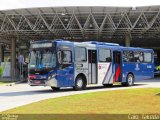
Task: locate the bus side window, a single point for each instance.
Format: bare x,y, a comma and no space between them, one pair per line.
138,56
80,54
66,56
147,57
128,56
59,57
104,55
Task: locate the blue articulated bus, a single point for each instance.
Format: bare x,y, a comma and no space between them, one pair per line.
59,63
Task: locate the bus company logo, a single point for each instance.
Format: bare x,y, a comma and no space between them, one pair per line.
99,67
102,66
137,67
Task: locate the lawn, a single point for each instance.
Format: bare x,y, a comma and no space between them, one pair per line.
2,83
5,82
132,101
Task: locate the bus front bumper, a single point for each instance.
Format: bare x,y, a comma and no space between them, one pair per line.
52,82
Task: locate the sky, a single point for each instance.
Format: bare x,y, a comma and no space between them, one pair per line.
15,4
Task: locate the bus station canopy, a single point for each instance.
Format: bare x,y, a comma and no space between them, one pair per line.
111,24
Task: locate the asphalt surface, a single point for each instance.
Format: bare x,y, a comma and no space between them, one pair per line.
22,94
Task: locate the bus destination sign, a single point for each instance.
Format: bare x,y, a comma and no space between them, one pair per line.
41,45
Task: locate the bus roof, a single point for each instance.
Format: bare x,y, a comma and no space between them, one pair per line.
93,43
101,43
136,48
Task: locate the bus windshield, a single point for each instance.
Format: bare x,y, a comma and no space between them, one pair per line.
42,59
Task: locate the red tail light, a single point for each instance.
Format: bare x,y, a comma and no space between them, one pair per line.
31,77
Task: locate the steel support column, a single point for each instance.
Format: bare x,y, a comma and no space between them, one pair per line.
2,53
13,57
127,40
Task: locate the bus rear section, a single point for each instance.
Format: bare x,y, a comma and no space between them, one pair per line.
124,65
138,64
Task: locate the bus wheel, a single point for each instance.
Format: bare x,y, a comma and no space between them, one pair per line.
55,88
130,80
80,83
107,85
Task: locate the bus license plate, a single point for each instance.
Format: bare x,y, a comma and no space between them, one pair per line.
37,82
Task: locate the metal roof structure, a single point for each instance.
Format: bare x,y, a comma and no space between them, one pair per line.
82,24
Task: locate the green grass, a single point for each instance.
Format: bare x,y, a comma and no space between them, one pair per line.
137,101
4,82
132,101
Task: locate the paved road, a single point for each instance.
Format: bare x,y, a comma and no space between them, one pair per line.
22,94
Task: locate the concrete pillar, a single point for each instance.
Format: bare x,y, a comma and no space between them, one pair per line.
127,40
2,53
13,57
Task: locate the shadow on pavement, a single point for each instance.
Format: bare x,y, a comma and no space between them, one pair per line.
35,92
155,79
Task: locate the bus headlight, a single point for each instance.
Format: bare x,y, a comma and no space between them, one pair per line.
43,77
51,76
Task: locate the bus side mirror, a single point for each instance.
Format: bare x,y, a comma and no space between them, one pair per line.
59,57
108,59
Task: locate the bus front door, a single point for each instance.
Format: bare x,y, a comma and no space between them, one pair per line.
92,66
117,64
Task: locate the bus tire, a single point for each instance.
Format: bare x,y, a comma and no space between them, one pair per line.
130,80
107,85
55,88
80,83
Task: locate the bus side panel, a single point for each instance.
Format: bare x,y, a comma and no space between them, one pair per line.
81,68
148,70
71,74
65,74
128,68
117,72
65,77
140,71
105,73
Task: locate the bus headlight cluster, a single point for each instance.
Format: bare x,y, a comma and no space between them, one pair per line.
51,76
43,77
